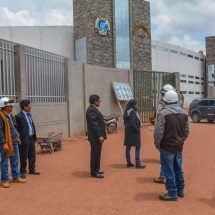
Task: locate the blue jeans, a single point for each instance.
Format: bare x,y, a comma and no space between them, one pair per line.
172,167
14,163
137,154
161,170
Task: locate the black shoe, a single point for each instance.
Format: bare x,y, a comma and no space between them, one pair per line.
167,197
98,176
101,172
140,166
130,164
181,195
23,175
34,172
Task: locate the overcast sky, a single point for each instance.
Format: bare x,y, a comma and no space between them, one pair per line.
180,22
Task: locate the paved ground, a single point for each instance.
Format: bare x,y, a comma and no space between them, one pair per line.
65,188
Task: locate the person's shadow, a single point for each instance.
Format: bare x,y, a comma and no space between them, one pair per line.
139,197
81,174
145,180
210,202
151,160
118,166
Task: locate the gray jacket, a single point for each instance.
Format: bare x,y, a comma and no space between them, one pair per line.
171,128
13,131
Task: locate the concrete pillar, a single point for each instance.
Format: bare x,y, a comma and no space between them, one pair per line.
68,94
20,73
177,81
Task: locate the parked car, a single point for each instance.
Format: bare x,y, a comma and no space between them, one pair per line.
202,109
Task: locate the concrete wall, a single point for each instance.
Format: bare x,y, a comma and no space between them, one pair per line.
86,80
171,58
55,39
81,80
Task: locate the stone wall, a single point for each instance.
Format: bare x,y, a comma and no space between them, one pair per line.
210,59
99,48
140,33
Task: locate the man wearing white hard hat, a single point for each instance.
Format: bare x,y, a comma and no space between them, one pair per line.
9,139
171,130
161,179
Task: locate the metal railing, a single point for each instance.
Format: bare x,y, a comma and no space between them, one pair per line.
147,86
45,76
7,71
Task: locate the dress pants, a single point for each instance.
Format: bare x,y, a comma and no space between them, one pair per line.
96,148
27,152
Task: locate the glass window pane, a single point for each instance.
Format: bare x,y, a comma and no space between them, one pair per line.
122,34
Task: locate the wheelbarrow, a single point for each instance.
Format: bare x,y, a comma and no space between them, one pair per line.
50,142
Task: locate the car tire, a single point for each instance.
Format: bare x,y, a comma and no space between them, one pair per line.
210,120
196,117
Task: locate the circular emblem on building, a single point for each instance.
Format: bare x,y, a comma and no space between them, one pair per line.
102,24
141,31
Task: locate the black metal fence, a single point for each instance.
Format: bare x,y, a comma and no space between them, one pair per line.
147,86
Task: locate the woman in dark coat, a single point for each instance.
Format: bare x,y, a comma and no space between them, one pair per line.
132,133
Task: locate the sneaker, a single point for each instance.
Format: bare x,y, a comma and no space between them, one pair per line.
160,180
140,166
181,195
20,180
6,184
167,197
130,164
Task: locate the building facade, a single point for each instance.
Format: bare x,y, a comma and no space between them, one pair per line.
113,33
190,65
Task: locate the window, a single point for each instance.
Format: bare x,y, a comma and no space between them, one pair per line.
202,60
190,56
183,54
190,92
183,75
197,82
122,34
197,58
203,79
203,93
173,51
183,81
163,49
202,83
204,103
191,82
196,77
212,102
184,92
197,93
190,76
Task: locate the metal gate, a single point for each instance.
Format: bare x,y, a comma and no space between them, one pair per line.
7,72
147,86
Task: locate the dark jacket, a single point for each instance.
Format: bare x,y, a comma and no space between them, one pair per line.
23,129
132,128
95,124
171,128
13,131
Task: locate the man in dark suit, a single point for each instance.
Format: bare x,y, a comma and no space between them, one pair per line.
27,131
96,134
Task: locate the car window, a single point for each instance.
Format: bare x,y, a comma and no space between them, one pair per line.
212,102
204,103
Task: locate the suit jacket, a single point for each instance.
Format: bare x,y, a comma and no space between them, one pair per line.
95,124
23,129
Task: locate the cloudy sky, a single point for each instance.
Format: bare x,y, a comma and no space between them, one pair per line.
181,22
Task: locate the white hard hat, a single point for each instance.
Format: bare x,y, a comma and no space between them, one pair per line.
4,102
170,96
166,88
